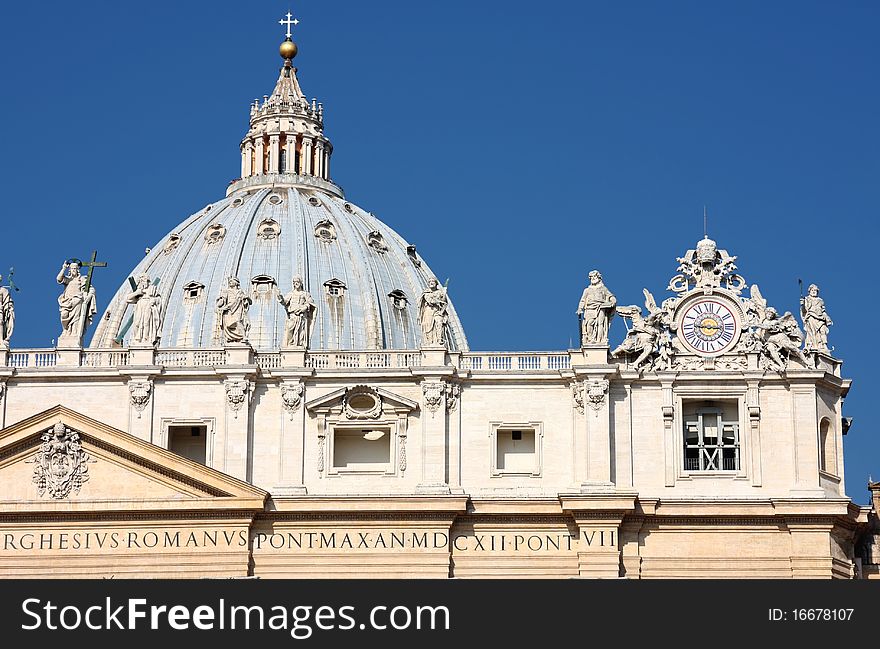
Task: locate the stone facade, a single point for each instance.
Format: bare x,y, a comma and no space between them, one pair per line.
208,432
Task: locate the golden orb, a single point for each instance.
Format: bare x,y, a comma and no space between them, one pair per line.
288,49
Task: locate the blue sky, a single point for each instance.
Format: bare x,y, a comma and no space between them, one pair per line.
517,144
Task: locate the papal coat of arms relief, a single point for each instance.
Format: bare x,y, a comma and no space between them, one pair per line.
61,464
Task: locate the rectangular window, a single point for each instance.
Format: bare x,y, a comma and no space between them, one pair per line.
189,441
711,436
516,449
361,449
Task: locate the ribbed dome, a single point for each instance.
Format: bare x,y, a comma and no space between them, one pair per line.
364,278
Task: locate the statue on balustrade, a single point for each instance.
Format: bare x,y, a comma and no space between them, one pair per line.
7,316
595,310
147,318
433,315
232,311
76,305
816,321
300,308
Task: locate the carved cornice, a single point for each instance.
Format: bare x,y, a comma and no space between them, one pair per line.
233,516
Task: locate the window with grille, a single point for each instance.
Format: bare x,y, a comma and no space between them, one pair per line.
711,438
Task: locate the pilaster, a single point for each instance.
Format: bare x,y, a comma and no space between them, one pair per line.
598,518
594,381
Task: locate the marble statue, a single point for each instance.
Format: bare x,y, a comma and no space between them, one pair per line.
595,309
7,316
432,314
147,317
300,309
781,335
76,304
232,309
642,338
816,320
776,337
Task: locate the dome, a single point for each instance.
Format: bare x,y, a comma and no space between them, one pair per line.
284,218
364,278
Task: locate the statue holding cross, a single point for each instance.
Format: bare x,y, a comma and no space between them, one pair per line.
77,305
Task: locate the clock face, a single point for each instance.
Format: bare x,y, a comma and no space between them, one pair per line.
709,327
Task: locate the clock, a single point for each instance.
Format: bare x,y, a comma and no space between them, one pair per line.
709,326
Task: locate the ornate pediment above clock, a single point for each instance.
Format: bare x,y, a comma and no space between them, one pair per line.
708,317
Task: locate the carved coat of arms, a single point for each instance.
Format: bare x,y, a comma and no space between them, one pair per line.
61,464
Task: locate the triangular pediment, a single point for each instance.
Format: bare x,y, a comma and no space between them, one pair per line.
355,401
84,464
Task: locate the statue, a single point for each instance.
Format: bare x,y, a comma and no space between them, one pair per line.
300,309
7,316
147,317
432,314
596,307
642,338
232,309
76,304
781,335
816,321
774,335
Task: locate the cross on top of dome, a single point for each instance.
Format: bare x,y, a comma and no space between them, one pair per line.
289,23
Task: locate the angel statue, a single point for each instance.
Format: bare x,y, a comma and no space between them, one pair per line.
643,336
776,335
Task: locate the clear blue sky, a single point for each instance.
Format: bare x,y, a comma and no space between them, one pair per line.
517,144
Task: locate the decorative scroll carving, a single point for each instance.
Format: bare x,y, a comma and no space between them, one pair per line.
706,266
215,233
401,453
595,391
433,392
173,241
322,434
362,402
577,396
139,393
268,229
238,393
291,397
61,464
453,392
376,241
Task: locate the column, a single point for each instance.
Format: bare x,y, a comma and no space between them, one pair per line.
274,153
247,168
325,169
290,149
258,157
305,159
243,162
319,159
